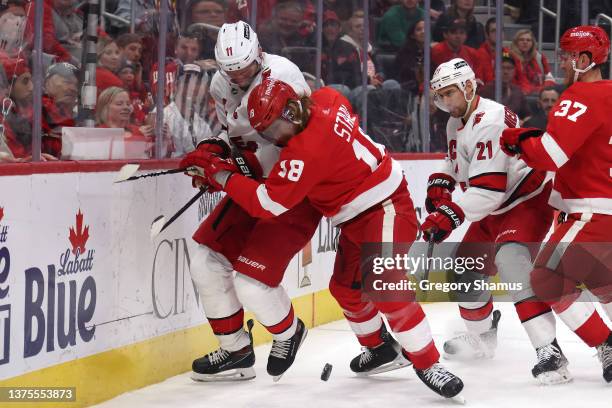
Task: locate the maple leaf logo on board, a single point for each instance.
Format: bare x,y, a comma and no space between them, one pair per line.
78,236
1,213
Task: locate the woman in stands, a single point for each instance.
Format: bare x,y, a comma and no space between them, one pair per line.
409,59
534,66
109,61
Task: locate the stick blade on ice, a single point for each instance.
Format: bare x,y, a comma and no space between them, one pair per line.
157,225
126,172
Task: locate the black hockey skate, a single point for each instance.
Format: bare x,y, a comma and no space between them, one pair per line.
441,381
283,353
375,360
552,365
469,346
223,365
604,353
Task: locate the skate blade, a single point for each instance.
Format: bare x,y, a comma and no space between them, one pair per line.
560,376
238,374
458,399
399,362
276,378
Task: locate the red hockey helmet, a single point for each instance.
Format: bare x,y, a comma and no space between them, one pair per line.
591,39
268,102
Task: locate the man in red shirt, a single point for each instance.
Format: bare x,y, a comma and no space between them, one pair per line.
486,55
576,146
328,159
454,46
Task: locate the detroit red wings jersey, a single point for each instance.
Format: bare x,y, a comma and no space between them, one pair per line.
493,182
332,163
578,146
231,105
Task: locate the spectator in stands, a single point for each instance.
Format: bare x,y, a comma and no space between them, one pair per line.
396,23
464,10
340,64
512,95
210,12
12,26
534,66
109,59
453,46
376,79
51,44
409,60
183,115
17,111
141,103
114,109
68,25
127,73
378,8
59,105
437,8
342,8
547,99
239,10
283,30
186,52
354,37
130,46
130,49
142,10
486,54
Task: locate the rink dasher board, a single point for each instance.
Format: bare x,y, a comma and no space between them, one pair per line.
111,288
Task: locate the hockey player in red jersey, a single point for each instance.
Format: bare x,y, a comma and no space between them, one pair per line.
577,146
506,201
327,158
240,261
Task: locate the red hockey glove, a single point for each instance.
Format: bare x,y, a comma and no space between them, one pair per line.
440,187
511,138
205,166
442,222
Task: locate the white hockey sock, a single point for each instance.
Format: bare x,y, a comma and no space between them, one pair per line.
271,306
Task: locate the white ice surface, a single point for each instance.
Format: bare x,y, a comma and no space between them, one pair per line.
505,381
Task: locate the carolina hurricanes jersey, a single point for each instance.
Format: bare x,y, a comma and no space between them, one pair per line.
231,104
577,145
332,162
493,182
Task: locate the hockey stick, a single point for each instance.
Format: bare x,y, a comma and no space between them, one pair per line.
126,173
430,248
159,224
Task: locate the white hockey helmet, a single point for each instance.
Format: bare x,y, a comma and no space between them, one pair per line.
454,72
237,47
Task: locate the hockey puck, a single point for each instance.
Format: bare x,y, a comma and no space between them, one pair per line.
326,372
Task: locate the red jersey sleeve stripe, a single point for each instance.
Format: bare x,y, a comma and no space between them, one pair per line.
490,181
553,149
268,203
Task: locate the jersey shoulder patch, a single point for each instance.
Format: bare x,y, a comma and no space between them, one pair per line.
477,118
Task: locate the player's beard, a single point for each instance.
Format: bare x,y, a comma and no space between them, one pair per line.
458,112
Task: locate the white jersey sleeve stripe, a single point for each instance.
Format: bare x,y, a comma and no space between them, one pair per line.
555,152
267,203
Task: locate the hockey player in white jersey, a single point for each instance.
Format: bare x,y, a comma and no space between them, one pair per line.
506,201
256,251
240,261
